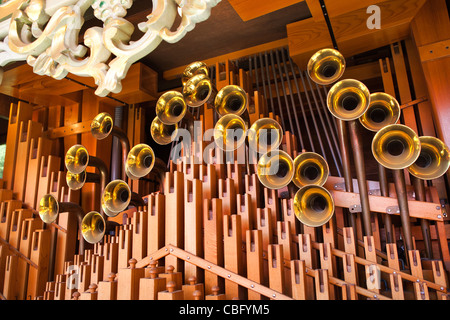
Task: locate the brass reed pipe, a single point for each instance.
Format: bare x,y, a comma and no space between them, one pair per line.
400,189
358,156
419,189
125,144
384,189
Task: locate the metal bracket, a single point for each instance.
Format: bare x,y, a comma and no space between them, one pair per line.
355,208
327,20
392,210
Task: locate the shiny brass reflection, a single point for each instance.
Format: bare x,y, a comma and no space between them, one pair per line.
102,125
310,168
162,133
75,181
396,146
383,110
326,66
193,69
48,208
231,99
140,161
275,169
93,227
348,99
199,90
265,135
230,132
76,159
313,205
433,161
116,197
171,107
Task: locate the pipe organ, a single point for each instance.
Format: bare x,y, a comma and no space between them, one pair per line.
270,176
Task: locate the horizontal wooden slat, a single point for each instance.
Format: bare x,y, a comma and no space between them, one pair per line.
435,50
251,9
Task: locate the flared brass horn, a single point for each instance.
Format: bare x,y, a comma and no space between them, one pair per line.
76,159
231,99
230,132
310,168
195,68
313,205
75,181
171,107
116,197
326,66
93,227
275,169
140,161
396,146
433,160
348,99
383,110
265,135
199,90
162,133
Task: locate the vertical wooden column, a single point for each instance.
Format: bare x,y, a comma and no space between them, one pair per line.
271,201
305,254
40,253
6,211
252,187
60,285
193,223
227,193
10,275
208,176
150,286
298,279
213,243
232,253
107,289
322,285
66,241
276,268
174,232
125,247
140,224
255,269
244,209
191,287
264,223
128,281
155,218
111,254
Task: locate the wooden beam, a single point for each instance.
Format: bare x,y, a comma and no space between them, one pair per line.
251,9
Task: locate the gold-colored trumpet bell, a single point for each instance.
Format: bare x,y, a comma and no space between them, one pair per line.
383,110
195,68
116,197
162,133
75,181
231,99
275,169
171,107
313,205
140,161
93,227
199,90
102,125
348,99
310,168
326,66
396,146
48,208
265,135
433,161
230,132
76,159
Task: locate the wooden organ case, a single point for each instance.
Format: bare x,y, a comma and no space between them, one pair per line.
203,227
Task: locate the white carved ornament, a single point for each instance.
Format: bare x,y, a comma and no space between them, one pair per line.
49,43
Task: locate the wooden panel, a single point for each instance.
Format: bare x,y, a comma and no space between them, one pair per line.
250,9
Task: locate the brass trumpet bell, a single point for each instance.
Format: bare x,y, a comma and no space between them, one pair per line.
116,197
199,90
396,146
313,205
48,208
310,168
326,66
195,68
230,132
76,159
102,125
348,99
383,110
433,161
93,227
171,107
75,181
265,135
140,161
231,99
275,169
162,133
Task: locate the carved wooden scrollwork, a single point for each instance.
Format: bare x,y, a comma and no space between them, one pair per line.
49,43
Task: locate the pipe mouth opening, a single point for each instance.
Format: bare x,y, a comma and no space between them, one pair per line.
177,109
311,173
203,92
318,203
378,114
83,159
283,170
148,161
234,104
123,195
329,70
424,160
395,148
350,102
